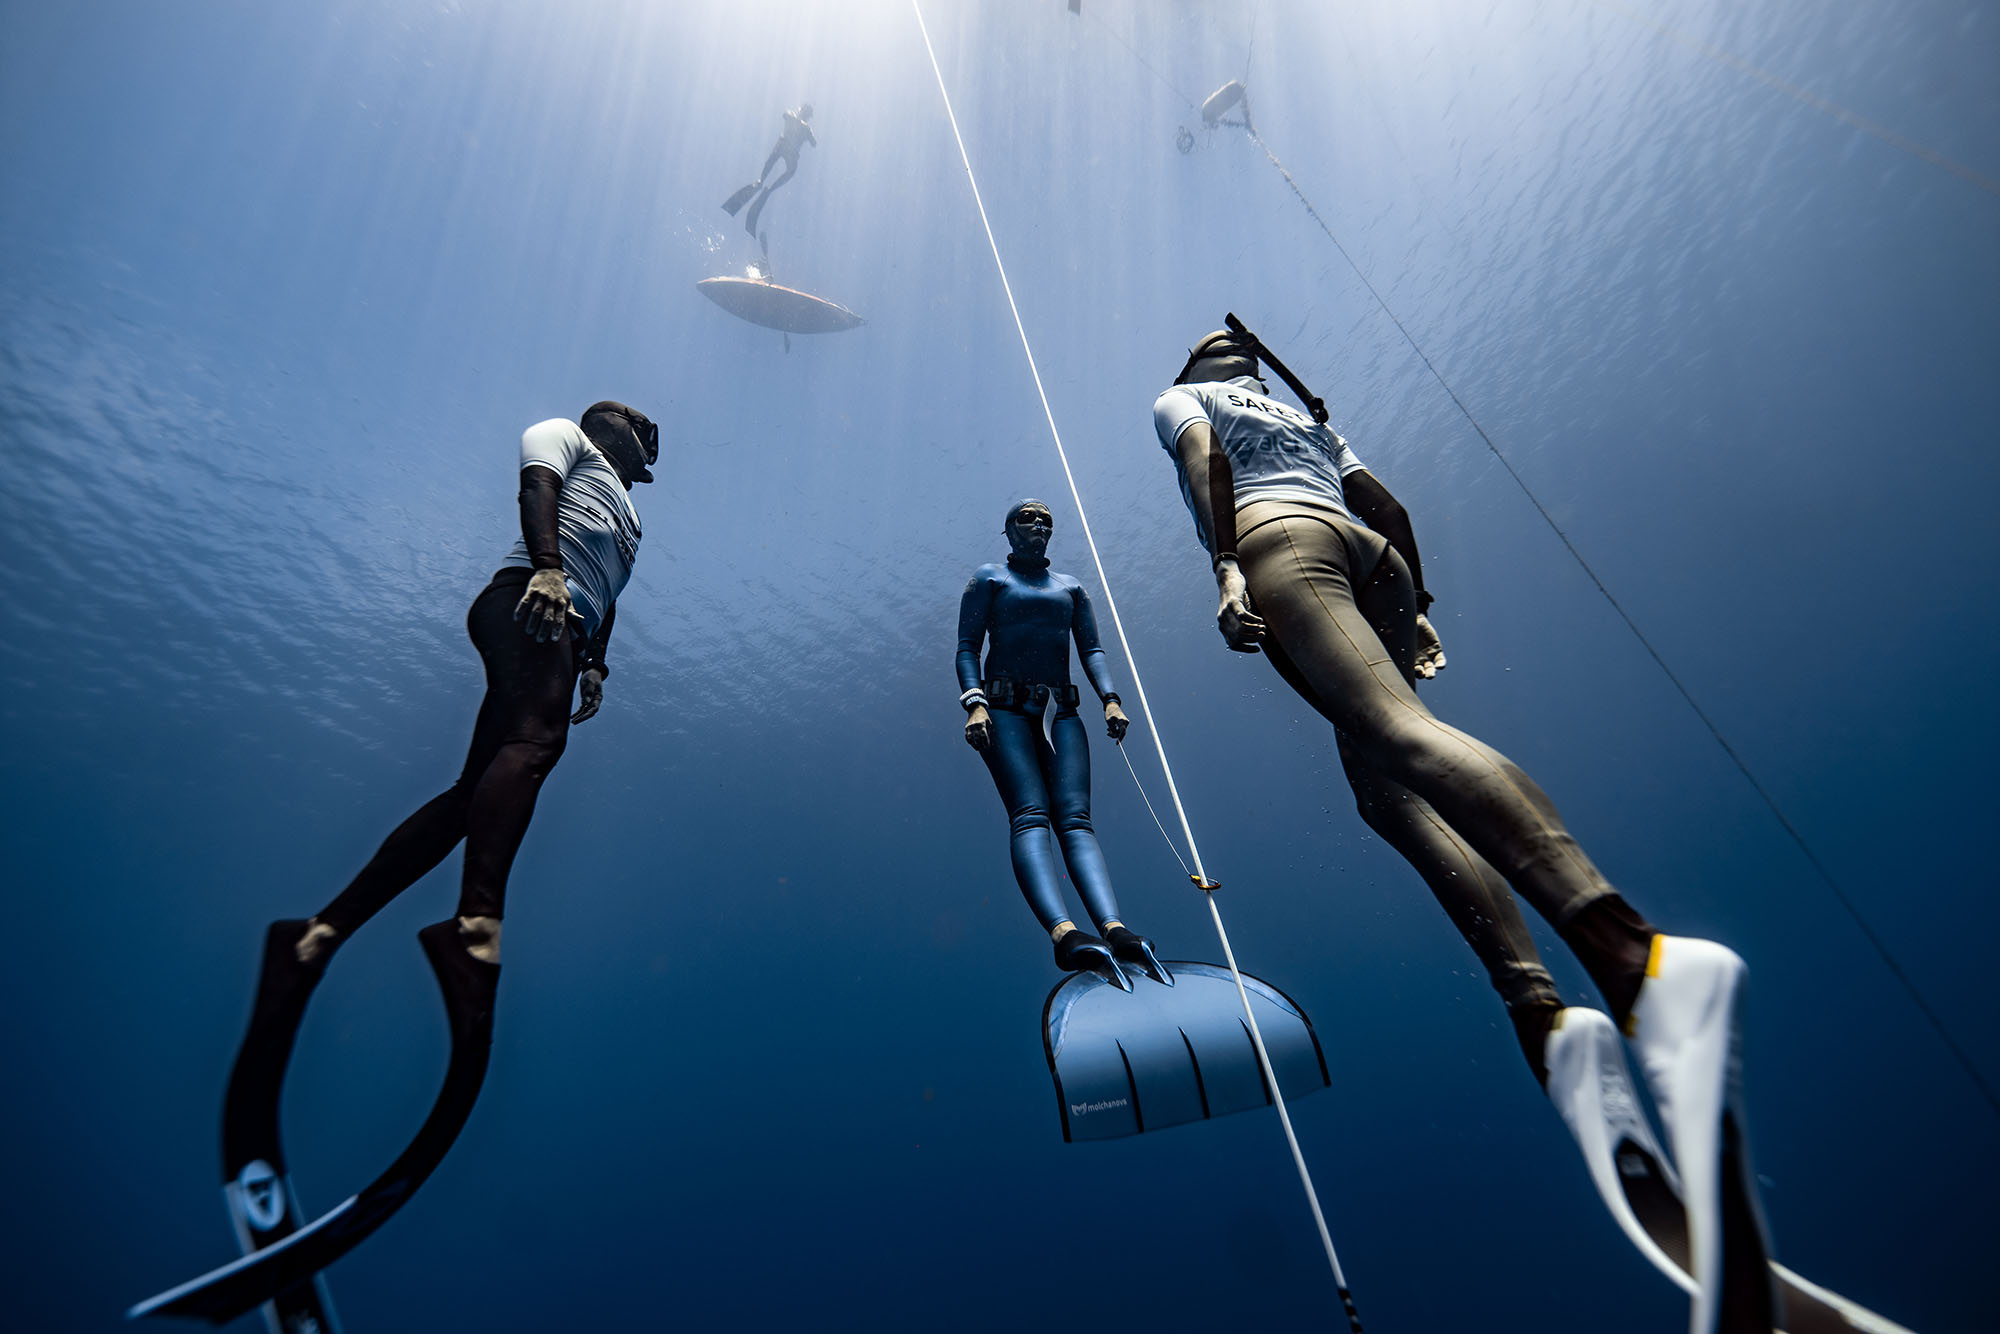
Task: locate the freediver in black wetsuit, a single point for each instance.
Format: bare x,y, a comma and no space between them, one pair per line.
791,141
1030,613
541,626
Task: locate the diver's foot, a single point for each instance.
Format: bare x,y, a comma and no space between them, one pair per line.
316,943
481,938
1081,952
1686,1029
1135,951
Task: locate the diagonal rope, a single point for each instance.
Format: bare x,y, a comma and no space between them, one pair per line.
1150,811
1806,97
1173,789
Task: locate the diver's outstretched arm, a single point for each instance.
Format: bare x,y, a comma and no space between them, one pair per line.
592,669
1212,486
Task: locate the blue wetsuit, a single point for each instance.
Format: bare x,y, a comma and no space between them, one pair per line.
1030,613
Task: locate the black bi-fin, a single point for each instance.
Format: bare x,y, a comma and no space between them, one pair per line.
292,1259
1128,1062
756,210
736,201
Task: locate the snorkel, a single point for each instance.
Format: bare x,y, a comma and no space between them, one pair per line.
1313,402
1237,352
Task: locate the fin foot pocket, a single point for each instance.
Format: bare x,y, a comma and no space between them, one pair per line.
1136,951
469,985
1081,952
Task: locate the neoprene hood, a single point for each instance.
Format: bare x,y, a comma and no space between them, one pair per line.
1223,355
625,434
1028,502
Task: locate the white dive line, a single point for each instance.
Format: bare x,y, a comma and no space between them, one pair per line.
1194,851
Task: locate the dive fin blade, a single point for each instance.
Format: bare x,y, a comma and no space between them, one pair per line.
1124,1063
1811,1309
735,202
1592,1089
1686,1028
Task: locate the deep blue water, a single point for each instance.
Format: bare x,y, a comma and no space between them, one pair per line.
284,284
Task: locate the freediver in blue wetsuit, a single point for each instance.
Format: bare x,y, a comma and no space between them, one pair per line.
1030,613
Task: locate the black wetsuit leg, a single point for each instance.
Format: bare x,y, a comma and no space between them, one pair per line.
534,684
1067,766
791,169
522,728
756,209
1298,569
1015,761
778,154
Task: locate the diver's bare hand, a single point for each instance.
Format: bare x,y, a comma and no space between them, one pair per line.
1242,628
979,728
1430,653
591,686
1115,721
544,609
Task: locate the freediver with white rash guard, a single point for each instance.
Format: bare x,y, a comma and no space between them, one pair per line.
1316,566
541,626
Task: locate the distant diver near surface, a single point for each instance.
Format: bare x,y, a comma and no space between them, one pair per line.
1231,96
1316,565
1030,613
791,141
542,626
